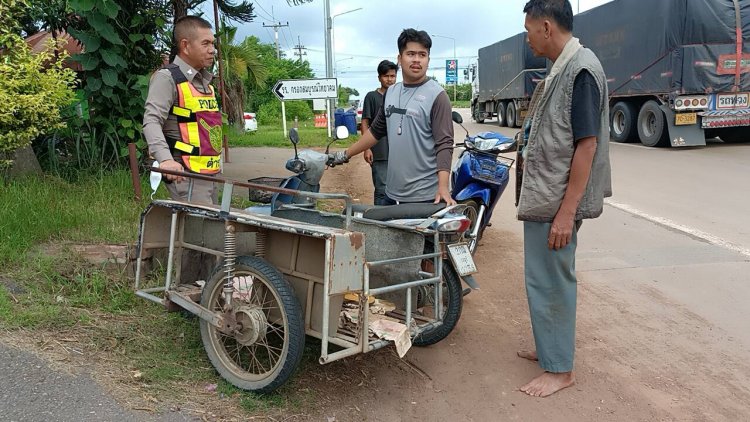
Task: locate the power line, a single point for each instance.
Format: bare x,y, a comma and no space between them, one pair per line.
299,47
276,27
268,15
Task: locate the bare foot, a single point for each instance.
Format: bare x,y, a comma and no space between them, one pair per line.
530,355
548,383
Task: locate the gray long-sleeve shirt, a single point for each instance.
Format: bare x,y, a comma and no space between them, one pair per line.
417,120
158,124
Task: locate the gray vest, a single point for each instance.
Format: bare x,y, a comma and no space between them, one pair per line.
412,163
550,148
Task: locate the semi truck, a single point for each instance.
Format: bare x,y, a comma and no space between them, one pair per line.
505,77
678,71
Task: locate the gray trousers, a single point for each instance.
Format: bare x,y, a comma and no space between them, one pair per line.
203,192
551,290
196,265
379,171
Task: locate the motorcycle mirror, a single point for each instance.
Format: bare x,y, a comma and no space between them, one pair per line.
294,137
342,132
457,117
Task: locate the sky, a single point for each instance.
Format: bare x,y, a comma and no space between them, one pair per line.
365,37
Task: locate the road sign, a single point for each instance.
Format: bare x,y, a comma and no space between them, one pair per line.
451,71
306,89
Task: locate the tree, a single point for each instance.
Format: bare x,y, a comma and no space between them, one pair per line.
33,88
242,70
344,93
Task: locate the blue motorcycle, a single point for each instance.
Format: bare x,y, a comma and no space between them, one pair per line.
480,177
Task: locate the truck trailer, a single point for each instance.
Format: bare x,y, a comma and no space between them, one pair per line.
507,74
678,71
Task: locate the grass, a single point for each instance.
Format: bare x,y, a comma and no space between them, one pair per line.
48,290
99,209
273,136
461,104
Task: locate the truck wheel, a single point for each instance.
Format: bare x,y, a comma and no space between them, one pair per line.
265,351
501,114
622,122
652,125
510,114
478,116
735,135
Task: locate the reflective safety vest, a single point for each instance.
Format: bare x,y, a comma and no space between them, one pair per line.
199,120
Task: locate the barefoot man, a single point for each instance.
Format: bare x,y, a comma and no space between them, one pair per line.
566,175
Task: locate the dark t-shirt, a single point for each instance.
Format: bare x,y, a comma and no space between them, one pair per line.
373,104
585,109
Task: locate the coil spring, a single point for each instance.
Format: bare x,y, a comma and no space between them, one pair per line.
230,254
260,243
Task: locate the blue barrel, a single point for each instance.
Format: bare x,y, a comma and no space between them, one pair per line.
338,117
350,121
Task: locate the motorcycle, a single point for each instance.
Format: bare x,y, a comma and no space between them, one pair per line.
308,167
479,177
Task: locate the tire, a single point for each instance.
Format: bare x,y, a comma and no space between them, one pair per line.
475,113
226,352
510,114
735,135
472,213
622,122
452,302
652,125
501,115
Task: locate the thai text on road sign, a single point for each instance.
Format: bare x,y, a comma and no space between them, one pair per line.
306,89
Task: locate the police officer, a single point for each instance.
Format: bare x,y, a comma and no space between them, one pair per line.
182,122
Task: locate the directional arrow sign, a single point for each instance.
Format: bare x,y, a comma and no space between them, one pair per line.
306,89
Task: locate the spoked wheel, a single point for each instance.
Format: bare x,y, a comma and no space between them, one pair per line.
451,309
472,213
261,351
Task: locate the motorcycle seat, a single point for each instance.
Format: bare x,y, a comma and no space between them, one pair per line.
396,212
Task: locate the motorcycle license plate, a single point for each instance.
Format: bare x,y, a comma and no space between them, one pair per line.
462,259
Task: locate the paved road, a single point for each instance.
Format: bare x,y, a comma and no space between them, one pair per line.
31,391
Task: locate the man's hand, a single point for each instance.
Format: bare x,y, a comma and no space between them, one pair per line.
561,232
443,195
369,158
172,165
337,158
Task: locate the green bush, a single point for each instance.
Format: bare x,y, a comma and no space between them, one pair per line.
270,113
33,89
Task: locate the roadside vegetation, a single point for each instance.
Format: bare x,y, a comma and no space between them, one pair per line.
61,294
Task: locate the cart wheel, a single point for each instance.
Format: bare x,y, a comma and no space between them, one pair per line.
452,303
263,354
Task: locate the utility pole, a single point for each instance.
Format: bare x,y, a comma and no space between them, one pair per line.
222,93
329,57
299,47
276,27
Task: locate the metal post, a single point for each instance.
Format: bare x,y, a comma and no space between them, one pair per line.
329,55
222,94
283,118
134,171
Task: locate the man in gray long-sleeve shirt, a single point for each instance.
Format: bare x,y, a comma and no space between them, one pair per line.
172,141
416,117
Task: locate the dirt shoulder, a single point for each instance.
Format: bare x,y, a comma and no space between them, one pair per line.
639,356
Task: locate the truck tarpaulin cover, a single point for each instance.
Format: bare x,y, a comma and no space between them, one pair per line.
668,46
505,62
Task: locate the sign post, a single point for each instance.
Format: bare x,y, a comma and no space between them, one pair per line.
451,74
305,89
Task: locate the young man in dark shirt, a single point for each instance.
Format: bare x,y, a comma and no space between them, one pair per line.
377,156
